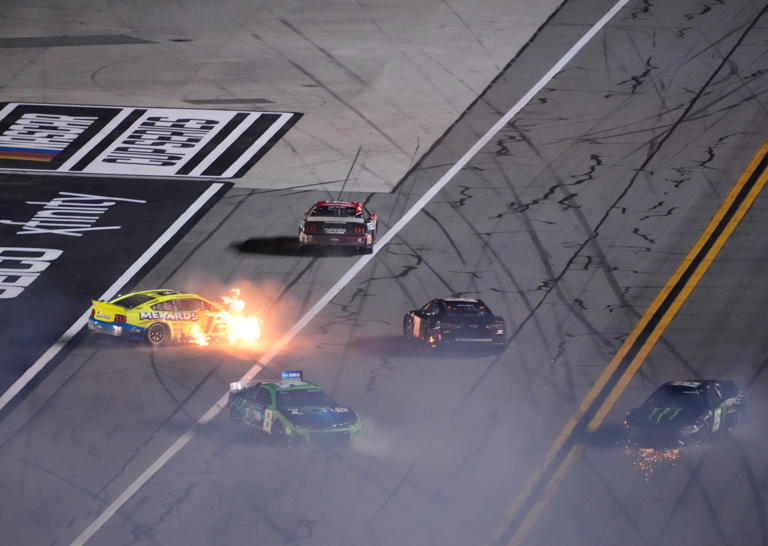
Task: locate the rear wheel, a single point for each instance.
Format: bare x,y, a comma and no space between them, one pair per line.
158,334
407,329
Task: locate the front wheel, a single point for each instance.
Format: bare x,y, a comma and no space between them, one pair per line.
158,334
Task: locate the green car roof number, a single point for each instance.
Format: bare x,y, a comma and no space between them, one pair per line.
274,387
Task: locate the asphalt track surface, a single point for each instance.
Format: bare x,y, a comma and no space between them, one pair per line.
568,224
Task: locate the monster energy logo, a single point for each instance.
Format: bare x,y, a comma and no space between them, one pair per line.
659,413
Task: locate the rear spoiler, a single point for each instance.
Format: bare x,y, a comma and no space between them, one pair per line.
238,386
107,311
336,219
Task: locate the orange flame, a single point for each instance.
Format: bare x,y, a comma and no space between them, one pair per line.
198,338
240,327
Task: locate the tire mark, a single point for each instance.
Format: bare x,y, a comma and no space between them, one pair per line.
331,92
178,409
446,234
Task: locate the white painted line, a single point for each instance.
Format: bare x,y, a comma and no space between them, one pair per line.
54,349
179,444
224,144
260,142
96,139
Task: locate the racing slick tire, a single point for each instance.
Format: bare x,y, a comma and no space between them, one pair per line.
407,329
158,334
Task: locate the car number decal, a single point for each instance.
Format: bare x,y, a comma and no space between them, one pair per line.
416,325
267,420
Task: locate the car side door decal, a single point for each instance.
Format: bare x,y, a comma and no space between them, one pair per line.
416,325
267,420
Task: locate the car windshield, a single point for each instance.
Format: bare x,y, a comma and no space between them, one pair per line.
340,212
678,396
129,302
303,398
465,308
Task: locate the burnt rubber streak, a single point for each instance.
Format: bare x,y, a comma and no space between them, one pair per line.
579,433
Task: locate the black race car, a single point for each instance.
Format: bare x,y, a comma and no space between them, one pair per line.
685,412
338,223
449,321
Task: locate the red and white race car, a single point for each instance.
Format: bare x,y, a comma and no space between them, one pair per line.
338,223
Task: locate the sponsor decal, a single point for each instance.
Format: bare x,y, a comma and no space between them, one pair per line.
67,240
41,137
168,315
20,267
658,413
134,141
69,214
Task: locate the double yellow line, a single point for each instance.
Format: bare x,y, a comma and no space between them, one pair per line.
565,451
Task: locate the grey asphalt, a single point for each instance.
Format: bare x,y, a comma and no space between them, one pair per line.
567,224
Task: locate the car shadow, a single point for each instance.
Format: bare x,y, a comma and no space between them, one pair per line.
288,246
609,435
395,345
388,346
274,246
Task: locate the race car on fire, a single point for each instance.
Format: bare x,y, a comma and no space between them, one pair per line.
338,224
291,409
159,316
454,321
685,412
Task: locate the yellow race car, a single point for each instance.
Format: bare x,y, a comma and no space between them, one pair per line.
159,316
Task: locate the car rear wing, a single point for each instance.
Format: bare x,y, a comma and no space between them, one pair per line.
238,386
336,219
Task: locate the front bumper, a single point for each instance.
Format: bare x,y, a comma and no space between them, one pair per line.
339,435
649,438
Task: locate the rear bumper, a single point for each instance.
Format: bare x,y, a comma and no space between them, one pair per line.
358,241
478,339
116,330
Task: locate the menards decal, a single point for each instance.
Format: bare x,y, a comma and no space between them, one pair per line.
167,315
133,141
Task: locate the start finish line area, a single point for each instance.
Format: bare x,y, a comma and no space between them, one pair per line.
69,235
67,240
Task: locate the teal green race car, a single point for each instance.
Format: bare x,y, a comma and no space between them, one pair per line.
291,409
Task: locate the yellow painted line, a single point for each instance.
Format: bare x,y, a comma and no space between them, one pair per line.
552,486
637,361
695,277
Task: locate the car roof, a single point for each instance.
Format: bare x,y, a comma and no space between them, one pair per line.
352,204
288,385
695,384
160,294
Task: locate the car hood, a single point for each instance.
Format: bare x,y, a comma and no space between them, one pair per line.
321,417
663,417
